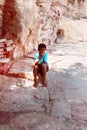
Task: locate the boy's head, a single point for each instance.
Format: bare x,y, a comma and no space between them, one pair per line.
42,45
41,48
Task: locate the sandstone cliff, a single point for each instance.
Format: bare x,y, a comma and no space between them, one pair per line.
29,22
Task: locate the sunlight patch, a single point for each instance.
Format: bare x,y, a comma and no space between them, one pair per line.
14,87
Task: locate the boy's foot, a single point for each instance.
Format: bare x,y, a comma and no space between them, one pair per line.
35,84
45,84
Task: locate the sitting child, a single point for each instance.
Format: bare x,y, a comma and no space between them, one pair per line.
40,65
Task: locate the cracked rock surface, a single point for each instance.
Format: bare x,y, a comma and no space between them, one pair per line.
60,106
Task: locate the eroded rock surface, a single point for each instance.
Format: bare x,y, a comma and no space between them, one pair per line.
62,105
28,22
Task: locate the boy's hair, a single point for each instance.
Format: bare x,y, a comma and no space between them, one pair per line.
41,45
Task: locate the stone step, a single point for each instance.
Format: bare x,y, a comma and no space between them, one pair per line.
21,68
6,48
6,53
4,65
5,43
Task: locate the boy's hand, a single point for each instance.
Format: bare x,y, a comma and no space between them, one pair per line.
35,63
32,66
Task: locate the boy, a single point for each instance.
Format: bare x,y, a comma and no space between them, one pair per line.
40,65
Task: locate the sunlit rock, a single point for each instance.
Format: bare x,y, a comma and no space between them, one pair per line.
28,22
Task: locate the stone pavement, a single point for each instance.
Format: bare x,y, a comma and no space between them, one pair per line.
60,106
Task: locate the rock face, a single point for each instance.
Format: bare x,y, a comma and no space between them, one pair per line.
29,22
19,23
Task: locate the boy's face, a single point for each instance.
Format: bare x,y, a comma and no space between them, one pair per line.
42,51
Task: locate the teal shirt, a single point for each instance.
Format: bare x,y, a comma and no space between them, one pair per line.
43,59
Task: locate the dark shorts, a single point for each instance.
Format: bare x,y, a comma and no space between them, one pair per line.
40,69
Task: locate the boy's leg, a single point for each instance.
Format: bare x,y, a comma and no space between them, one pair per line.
44,70
35,73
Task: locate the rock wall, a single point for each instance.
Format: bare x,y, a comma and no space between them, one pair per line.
54,14
20,24
29,22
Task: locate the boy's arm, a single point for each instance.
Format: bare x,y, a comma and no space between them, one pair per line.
46,58
36,61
